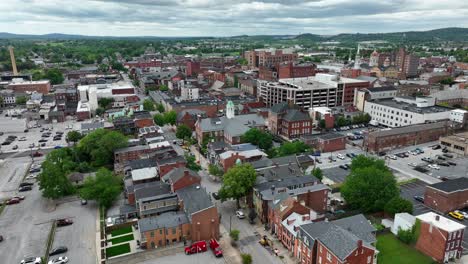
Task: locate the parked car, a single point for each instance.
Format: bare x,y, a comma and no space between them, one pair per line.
419,198
15,147
412,164
34,170
196,247
59,260
436,147
465,215
42,140
22,139
37,154
445,150
452,163
448,155
25,189
340,156
434,166
343,167
84,202
393,157
318,161
456,215
31,260
26,184
441,158
12,201
445,164
427,159
58,250
240,214
215,196
1,238
31,177
64,222
349,155
331,159
214,245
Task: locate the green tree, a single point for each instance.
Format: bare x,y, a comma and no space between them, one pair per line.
234,234
163,88
246,259
237,182
159,119
53,180
160,108
100,111
99,146
341,121
104,188
317,173
290,148
170,117
183,132
54,75
322,123
21,100
259,138
369,186
192,163
215,170
398,205
74,136
105,102
148,105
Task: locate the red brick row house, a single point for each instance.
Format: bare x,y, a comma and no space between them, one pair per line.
289,121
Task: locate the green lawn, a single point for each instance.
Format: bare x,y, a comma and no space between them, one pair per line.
392,250
121,239
118,250
121,231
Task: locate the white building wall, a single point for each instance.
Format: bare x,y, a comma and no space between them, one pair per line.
457,115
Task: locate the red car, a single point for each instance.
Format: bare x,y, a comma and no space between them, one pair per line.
214,245
197,247
13,201
37,154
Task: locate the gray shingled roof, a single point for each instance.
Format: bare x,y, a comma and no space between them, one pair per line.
178,173
194,199
269,195
296,115
286,182
279,108
339,241
165,220
153,190
359,226
408,129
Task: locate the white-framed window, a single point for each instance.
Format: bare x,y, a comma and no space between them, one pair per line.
320,248
320,260
329,257
369,259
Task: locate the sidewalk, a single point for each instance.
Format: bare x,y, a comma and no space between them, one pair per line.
230,254
283,253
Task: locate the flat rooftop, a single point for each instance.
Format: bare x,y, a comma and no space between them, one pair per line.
441,222
411,107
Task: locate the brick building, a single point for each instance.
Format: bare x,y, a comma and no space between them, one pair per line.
448,195
21,86
180,178
348,240
289,227
192,68
328,142
269,57
440,237
281,208
189,117
143,119
384,140
288,121
291,70
456,143
165,165
166,229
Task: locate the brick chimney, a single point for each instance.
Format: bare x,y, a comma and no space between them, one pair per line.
186,173
359,243
290,221
305,217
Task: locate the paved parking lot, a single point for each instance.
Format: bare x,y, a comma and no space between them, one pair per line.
26,226
409,190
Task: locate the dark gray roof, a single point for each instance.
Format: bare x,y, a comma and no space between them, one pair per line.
278,172
142,163
192,112
279,108
92,125
142,115
296,115
127,209
170,160
165,220
359,226
286,182
261,163
269,195
382,89
135,148
159,188
336,174
194,198
459,184
178,173
340,236
408,129
325,136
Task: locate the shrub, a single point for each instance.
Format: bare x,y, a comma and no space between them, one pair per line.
234,234
246,258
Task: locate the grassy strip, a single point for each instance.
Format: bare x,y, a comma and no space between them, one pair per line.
50,241
407,181
121,231
121,239
118,250
393,251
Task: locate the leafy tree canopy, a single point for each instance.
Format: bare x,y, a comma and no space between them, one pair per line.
99,146
53,180
183,132
237,182
104,188
258,137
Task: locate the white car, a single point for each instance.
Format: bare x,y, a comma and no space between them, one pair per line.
412,164
31,260
59,260
340,156
31,177
433,166
240,214
22,139
393,157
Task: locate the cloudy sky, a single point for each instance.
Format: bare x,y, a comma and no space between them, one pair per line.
227,17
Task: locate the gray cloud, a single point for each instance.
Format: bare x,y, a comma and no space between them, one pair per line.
228,17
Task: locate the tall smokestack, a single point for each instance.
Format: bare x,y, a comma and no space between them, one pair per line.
13,61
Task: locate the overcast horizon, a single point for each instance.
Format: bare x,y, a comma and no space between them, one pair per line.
186,18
